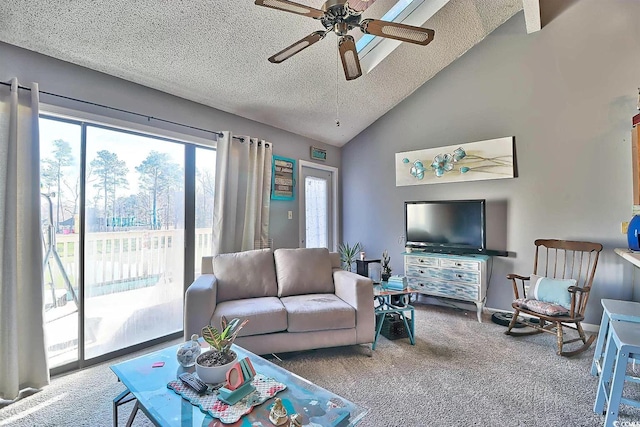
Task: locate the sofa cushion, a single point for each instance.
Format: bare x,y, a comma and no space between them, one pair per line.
318,312
249,274
335,260
303,271
266,315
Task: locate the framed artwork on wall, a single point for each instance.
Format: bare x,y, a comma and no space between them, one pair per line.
283,178
473,161
318,154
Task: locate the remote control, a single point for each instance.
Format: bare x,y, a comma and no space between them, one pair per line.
194,382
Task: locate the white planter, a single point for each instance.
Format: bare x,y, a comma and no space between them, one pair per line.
214,374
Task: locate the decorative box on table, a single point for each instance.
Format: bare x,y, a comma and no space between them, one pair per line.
396,283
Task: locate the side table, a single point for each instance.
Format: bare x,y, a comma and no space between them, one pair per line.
613,311
362,268
623,345
383,305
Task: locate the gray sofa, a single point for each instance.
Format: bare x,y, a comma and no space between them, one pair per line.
295,299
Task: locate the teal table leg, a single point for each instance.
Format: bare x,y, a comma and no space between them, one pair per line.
617,384
605,376
378,329
602,336
409,326
413,328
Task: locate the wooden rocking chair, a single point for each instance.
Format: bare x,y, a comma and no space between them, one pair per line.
562,270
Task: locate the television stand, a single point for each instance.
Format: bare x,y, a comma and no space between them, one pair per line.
458,277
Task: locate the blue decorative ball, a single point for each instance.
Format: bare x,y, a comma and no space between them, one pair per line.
633,233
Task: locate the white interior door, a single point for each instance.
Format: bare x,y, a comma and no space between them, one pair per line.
318,206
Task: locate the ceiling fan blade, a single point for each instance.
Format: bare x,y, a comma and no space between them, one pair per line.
298,46
394,30
289,6
349,56
360,5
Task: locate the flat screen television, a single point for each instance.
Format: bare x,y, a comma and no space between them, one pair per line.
447,226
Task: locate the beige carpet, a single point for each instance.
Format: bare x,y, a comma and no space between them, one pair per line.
459,373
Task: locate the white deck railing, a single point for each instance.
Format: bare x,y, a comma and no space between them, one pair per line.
119,256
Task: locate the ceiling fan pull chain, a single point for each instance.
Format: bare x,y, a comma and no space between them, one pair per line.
337,77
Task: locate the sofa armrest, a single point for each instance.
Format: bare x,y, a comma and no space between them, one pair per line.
199,304
357,291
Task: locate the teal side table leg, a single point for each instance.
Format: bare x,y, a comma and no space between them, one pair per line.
413,328
615,395
378,329
602,336
409,326
605,376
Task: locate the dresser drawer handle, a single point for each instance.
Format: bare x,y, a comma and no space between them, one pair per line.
421,271
459,276
458,264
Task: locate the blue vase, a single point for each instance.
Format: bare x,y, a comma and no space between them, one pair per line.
633,232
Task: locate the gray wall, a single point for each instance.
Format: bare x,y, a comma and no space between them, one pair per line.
77,82
567,94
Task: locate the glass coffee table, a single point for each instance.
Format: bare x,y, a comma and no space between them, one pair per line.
147,386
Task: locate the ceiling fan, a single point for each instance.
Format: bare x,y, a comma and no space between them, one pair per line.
338,16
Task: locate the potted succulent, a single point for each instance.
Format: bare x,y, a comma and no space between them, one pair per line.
348,254
386,268
212,365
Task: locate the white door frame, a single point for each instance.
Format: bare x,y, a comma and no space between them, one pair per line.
334,179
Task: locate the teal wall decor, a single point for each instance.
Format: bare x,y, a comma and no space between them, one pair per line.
283,178
318,154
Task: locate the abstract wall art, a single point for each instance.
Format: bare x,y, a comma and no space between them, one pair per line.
473,161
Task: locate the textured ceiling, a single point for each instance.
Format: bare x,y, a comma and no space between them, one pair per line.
215,52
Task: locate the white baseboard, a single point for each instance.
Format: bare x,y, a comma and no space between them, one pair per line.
588,327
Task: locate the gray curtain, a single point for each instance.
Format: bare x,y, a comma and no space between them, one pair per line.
23,359
242,194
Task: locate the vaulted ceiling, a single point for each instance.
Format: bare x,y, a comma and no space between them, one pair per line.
215,53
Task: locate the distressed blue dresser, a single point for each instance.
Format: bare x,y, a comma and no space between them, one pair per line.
459,277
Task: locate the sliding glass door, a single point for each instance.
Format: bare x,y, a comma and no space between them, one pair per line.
113,210
205,180
60,143
134,239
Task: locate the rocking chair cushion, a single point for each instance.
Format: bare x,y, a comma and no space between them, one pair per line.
542,307
555,291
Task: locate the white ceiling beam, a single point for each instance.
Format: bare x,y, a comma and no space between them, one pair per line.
532,15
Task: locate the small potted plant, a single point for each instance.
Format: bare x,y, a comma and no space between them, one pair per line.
386,268
348,254
212,365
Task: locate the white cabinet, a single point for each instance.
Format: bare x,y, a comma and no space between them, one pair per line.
460,277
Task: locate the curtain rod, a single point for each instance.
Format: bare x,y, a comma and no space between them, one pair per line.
217,133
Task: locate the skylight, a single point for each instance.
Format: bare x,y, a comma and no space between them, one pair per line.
372,49
391,16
